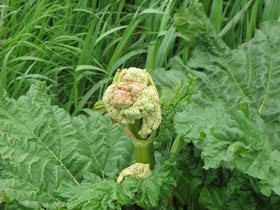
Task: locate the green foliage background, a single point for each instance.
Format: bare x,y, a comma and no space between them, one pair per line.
216,65
76,46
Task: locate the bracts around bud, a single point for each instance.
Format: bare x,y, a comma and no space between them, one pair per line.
132,100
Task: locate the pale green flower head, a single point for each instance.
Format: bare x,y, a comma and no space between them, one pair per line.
137,170
131,97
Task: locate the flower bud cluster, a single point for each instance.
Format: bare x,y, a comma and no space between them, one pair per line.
137,170
134,97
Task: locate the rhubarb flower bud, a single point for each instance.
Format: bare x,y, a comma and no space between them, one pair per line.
133,96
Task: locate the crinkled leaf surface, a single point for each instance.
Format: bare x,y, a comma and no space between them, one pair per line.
235,116
251,72
42,145
104,143
191,23
231,138
52,160
149,193
166,80
241,190
99,195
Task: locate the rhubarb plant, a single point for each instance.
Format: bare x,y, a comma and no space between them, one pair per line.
51,160
226,136
132,100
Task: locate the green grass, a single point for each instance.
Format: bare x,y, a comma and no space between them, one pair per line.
76,46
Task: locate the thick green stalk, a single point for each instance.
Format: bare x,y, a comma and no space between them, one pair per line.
144,151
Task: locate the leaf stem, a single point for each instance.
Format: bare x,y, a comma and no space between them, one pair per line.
144,151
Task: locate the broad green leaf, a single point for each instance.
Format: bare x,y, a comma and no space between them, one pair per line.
231,138
212,198
250,72
42,145
12,205
191,23
241,190
104,144
157,188
166,80
196,123
149,193
229,132
52,160
127,190
99,195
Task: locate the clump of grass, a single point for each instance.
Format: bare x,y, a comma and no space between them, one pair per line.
76,46
236,21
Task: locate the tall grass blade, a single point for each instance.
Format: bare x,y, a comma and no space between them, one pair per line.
235,20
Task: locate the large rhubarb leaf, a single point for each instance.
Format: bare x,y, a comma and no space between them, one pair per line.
51,160
149,193
251,72
231,138
234,118
42,145
239,190
104,144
